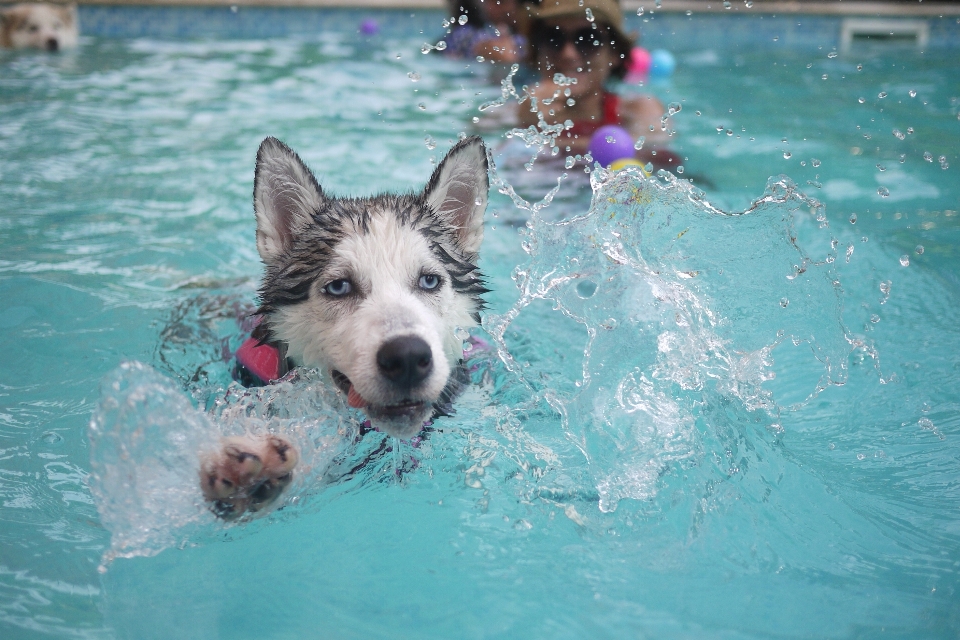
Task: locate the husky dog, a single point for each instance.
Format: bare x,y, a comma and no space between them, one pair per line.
38,26
373,291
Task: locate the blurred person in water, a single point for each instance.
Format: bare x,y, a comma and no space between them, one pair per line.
492,30
584,40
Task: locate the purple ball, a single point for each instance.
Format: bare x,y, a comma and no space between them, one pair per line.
611,143
369,27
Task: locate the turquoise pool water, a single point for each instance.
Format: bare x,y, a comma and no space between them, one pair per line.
720,414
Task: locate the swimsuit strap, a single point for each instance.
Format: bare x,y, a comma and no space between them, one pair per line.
611,108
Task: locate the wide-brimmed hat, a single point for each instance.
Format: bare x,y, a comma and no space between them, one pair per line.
605,11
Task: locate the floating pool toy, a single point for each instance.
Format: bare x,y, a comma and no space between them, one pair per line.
369,27
662,63
638,66
611,143
623,163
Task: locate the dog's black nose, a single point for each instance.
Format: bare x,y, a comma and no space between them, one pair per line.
405,361
52,44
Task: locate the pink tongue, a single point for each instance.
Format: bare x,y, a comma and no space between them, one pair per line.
354,399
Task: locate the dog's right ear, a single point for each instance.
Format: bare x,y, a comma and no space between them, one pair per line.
285,197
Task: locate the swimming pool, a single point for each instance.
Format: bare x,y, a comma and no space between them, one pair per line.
664,485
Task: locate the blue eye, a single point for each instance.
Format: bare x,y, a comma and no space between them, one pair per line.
338,288
429,282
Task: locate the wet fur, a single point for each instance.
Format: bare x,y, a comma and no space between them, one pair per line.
383,246
38,26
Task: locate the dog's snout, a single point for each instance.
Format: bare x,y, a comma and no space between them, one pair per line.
52,44
405,361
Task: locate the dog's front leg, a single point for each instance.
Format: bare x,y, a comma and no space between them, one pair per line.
246,474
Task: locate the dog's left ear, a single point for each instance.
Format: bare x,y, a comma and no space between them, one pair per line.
457,191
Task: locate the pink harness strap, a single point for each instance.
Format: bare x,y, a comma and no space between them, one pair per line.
262,360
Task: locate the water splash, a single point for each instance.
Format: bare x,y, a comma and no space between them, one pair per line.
677,306
146,440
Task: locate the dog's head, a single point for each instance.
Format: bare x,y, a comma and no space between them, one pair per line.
39,26
374,291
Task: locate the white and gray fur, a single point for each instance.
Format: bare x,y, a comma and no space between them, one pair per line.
364,288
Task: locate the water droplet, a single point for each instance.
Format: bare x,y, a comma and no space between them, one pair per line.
719,129
568,164
422,107
476,119
589,13
52,438
748,4
832,54
861,100
441,45
882,95
928,156
425,48
430,142
823,77
586,288
849,253
445,24
414,76
919,249
776,38
883,191
674,108
639,143
859,67
462,19
909,131
898,134
874,318
861,456
913,93
784,302
689,12
904,260
640,11
853,218
885,287
658,3
814,162
787,155
726,4
943,162
903,158
729,132
881,167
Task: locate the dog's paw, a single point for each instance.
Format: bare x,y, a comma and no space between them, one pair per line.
247,474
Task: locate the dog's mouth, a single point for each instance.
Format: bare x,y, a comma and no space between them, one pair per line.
405,409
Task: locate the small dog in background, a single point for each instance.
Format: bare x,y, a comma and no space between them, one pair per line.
38,26
376,292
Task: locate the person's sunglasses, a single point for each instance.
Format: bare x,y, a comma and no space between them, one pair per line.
587,40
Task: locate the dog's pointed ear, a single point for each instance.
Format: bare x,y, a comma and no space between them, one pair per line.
285,197
457,191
